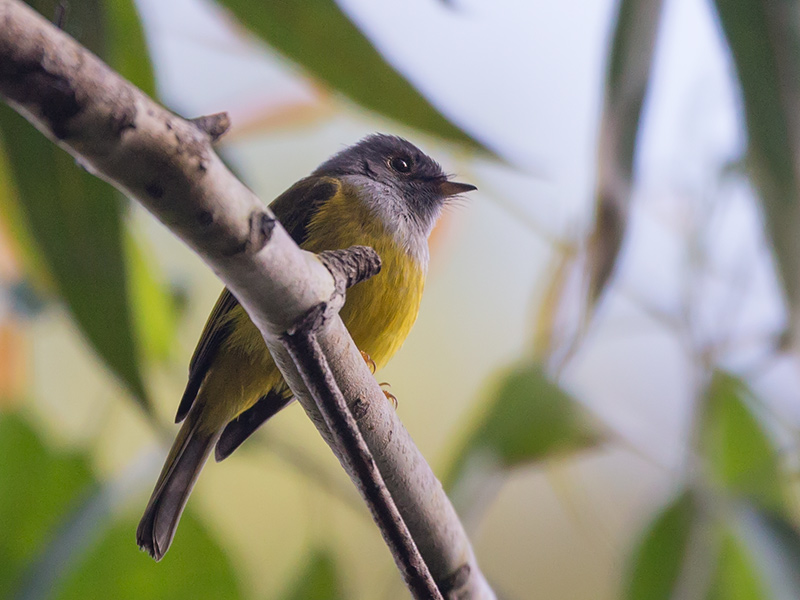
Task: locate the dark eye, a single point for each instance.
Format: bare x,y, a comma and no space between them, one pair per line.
401,165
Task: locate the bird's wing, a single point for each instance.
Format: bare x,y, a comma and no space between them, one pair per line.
218,328
243,426
294,209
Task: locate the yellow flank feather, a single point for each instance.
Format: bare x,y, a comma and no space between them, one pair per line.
379,313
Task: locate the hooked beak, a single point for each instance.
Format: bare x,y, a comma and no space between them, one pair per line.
453,188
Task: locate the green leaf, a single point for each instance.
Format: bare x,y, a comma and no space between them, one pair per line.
657,561
13,224
628,75
320,37
195,568
60,539
154,310
112,30
773,546
75,221
740,457
38,488
720,552
525,418
68,226
82,20
717,550
627,79
317,580
737,576
764,38
127,50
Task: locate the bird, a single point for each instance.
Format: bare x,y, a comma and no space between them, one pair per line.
381,192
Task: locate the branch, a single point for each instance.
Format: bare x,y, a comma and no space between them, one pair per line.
313,367
348,267
167,164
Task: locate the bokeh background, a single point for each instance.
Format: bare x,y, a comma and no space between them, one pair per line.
604,372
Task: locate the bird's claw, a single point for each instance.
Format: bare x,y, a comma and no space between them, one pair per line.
389,395
370,363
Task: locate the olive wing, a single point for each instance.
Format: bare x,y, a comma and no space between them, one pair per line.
294,209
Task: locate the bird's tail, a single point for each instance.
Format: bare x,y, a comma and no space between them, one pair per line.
186,458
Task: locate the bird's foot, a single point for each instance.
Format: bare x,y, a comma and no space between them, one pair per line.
389,395
372,367
370,363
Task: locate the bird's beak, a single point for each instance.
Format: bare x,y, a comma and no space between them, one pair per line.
453,188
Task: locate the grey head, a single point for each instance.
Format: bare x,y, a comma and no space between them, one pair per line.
402,184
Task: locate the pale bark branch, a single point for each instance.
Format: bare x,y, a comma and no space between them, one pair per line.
313,368
167,164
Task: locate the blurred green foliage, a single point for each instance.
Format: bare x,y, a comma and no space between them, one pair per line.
39,488
41,554
735,577
657,561
627,80
317,580
525,418
764,39
76,223
115,568
70,226
727,537
739,455
318,35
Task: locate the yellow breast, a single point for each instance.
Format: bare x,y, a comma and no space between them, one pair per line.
380,312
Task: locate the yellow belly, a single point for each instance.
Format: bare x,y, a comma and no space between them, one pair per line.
379,313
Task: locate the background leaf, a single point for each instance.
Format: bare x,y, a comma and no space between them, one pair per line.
656,562
61,538
154,310
196,568
317,580
772,544
628,75
69,227
740,457
38,488
76,220
127,50
524,419
688,552
736,577
349,63
730,554
764,38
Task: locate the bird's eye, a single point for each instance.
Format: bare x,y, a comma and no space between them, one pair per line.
401,165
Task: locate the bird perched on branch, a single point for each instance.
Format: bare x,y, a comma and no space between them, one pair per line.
382,192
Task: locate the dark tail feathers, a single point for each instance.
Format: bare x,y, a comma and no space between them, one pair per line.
184,463
246,424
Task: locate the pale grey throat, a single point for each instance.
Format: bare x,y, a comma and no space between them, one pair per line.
388,204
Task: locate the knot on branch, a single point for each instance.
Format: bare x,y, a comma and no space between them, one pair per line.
215,125
455,583
351,265
347,267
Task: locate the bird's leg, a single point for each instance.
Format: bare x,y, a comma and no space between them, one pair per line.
370,363
372,367
389,395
